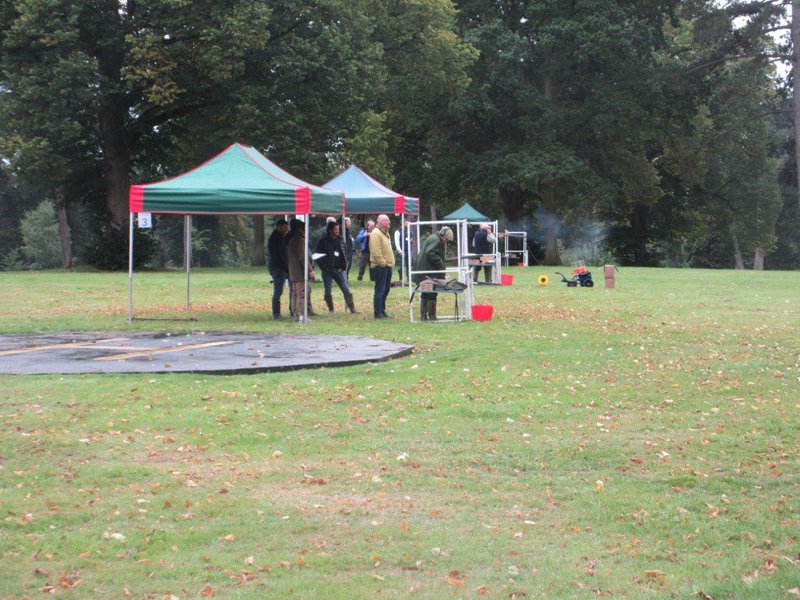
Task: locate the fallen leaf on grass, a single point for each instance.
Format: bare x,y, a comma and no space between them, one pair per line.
243,577
455,582
68,581
769,567
208,592
314,480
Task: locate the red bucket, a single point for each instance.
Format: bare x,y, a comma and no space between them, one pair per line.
482,312
506,279
522,264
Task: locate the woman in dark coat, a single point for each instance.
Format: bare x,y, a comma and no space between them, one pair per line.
334,266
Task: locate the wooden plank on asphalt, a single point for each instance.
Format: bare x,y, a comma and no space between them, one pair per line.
85,343
151,351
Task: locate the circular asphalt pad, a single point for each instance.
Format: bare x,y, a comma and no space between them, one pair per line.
222,353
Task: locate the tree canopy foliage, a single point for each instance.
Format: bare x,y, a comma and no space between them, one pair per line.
659,129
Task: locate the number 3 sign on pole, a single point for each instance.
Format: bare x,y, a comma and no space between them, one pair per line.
145,220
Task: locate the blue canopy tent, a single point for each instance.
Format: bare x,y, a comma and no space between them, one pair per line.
365,195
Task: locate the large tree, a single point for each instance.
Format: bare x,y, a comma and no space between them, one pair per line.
116,71
560,110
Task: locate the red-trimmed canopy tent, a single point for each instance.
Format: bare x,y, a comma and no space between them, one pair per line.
366,196
239,180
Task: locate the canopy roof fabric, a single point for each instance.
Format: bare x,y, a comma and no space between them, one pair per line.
365,195
468,213
239,180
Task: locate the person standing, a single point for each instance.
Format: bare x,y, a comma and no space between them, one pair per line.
431,262
381,262
483,243
403,237
297,275
349,244
278,264
334,266
362,241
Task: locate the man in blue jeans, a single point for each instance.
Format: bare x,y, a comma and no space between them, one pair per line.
333,263
381,263
278,264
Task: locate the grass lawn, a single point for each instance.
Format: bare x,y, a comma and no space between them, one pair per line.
640,442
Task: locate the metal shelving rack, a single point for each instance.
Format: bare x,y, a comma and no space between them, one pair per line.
509,252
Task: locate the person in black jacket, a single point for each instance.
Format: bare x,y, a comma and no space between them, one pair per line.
334,266
278,263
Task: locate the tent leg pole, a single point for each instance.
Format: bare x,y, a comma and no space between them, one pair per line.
404,246
307,286
130,269
188,258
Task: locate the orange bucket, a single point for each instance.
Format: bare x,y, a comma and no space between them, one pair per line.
482,312
506,279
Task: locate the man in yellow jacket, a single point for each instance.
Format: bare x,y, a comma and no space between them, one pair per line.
381,263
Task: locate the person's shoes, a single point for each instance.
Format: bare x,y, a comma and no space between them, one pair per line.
381,317
277,317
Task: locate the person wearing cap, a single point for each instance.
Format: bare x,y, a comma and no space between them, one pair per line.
278,263
381,263
431,263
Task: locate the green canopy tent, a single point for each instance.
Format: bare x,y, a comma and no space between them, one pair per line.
239,180
468,213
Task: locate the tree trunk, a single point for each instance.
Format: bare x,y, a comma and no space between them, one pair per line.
116,159
513,202
63,231
551,255
551,226
737,254
257,256
796,87
433,213
758,259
